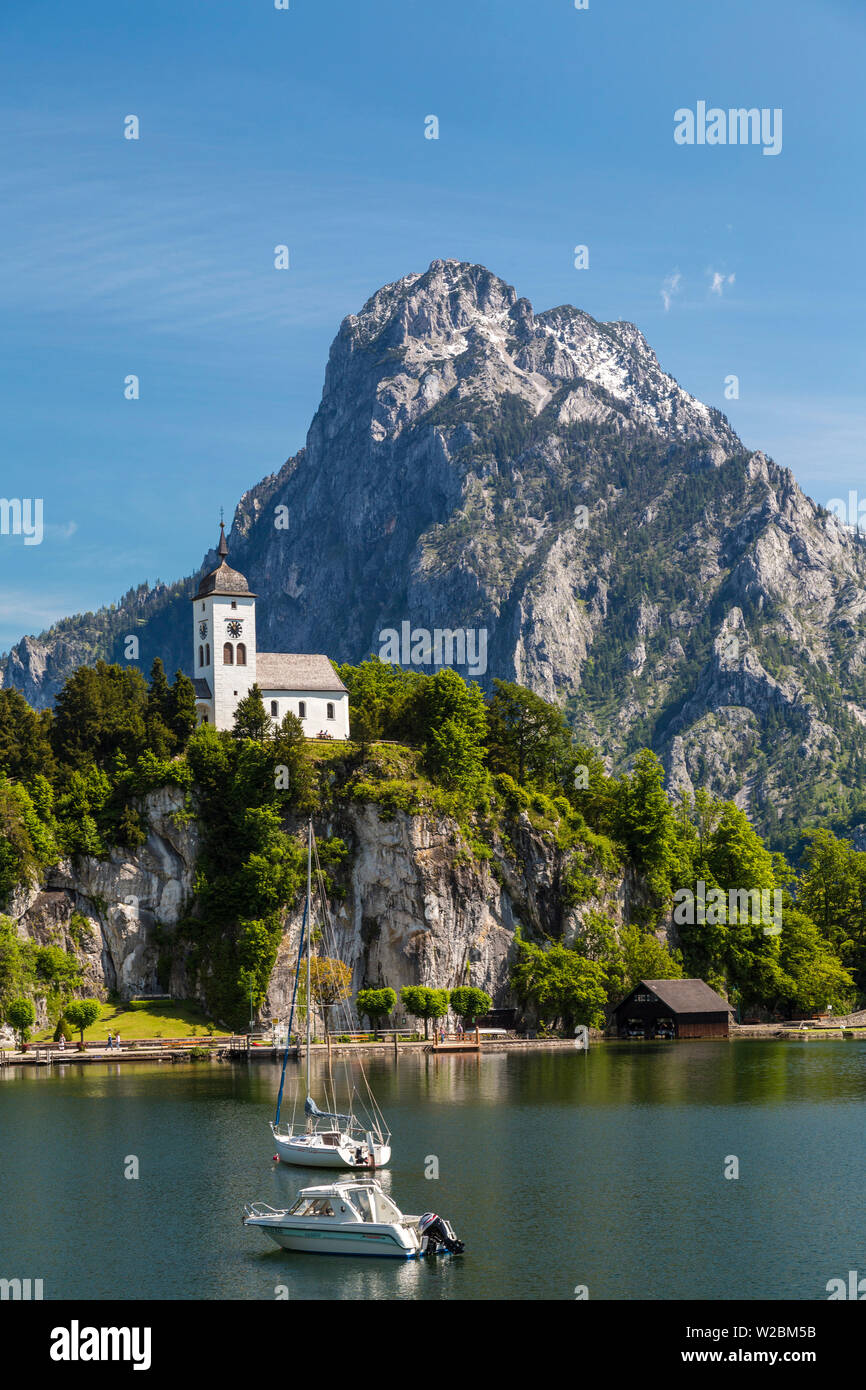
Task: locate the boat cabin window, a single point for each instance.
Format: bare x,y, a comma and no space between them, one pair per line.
312,1206
361,1202
384,1209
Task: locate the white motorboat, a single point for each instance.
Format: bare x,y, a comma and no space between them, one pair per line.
353,1216
328,1139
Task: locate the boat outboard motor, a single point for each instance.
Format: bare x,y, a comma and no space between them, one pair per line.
438,1232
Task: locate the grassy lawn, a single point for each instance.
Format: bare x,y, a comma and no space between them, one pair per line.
149,1018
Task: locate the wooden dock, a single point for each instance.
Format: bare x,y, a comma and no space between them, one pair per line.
457,1042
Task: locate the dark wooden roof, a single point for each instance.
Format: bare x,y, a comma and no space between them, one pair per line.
685,996
202,689
224,580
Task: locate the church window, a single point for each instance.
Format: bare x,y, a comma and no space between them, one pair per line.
274,708
204,719
330,711
234,603
302,709
207,654
201,656
228,655
242,654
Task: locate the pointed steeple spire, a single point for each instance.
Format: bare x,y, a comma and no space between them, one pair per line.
222,548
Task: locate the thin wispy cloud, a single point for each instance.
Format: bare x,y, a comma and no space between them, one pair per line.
670,287
718,280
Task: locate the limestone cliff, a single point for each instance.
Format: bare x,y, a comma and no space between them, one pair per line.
418,908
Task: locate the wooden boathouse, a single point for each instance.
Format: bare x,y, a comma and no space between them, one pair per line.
673,1009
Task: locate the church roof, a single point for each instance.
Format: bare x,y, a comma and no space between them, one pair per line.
224,580
293,671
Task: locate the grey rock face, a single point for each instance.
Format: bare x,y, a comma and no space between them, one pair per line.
119,902
418,910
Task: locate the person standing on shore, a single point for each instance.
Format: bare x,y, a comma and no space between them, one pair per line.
109,1041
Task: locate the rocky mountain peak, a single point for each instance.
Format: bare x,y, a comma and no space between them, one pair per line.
459,328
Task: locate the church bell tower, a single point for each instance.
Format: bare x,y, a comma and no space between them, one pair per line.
224,641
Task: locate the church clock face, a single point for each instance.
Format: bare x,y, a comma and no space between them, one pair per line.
202,629
234,628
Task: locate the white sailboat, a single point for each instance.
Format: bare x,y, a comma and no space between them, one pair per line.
328,1139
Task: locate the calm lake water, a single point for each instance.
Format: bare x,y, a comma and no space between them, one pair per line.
557,1169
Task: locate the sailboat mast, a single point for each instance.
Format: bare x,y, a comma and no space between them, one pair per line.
309,938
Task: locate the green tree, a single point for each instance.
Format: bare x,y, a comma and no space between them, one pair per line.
15,973
82,1013
251,718
735,855
812,977
292,765
597,941
331,983
100,712
21,1015
467,1002
375,1005
419,1001
832,892
180,711
390,699
249,870
561,985
366,725
27,844
456,759
645,958
25,738
528,738
645,822
456,726
159,736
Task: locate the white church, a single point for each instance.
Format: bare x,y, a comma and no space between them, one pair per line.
226,663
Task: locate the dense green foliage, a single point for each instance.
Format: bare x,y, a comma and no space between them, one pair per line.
501,767
45,973
563,986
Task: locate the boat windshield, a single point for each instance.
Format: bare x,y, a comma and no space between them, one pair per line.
312,1206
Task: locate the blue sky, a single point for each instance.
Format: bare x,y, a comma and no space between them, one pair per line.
306,127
